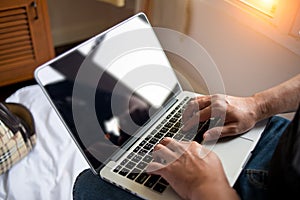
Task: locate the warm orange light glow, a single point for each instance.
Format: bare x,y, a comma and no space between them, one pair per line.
268,2
266,6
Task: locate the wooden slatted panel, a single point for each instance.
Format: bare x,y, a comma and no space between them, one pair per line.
15,38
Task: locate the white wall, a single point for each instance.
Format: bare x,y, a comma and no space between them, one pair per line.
76,20
248,61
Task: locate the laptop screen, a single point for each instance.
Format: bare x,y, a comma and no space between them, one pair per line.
109,87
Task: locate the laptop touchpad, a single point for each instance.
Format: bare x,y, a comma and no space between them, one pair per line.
233,153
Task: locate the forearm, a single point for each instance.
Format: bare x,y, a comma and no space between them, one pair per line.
282,98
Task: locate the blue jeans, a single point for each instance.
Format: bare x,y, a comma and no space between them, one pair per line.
251,184
92,187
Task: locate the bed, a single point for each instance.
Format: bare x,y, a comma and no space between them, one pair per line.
49,171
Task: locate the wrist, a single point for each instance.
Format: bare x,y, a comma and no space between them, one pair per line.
261,107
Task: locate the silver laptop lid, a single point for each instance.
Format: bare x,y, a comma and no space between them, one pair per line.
110,86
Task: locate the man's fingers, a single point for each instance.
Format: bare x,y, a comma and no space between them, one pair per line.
203,101
195,105
220,132
173,145
163,154
213,133
155,168
190,109
199,116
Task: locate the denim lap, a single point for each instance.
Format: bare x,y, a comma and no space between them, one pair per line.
89,186
252,182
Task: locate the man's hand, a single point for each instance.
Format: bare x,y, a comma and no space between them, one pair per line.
239,114
191,170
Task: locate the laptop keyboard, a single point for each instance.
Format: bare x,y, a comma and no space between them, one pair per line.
134,165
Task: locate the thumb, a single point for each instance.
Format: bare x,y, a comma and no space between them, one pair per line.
221,131
213,133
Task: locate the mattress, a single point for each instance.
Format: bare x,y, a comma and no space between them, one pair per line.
50,169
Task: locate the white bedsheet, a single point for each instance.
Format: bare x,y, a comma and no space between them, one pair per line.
50,170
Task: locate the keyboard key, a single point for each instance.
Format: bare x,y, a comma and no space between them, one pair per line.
132,176
169,125
158,126
142,165
130,155
178,125
159,187
123,172
148,146
137,158
130,165
142,178
178,115
124,162
117,169
143,143
164,121
142,152
189,136
151,181
178,136
153,140
163,130
135,173
159,135
173,120
163,181
169,135
174,130
136,149
147,159
148,137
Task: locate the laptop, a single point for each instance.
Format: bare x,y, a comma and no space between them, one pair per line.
118,96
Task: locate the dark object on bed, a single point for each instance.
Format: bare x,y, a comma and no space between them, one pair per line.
17,134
